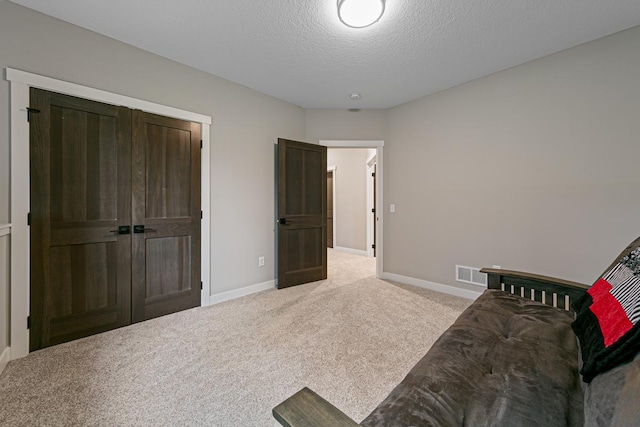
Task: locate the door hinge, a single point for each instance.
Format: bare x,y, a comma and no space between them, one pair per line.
28,322
200,285
201,215
373,246
373,174
200,144
30,111
29,219
373,210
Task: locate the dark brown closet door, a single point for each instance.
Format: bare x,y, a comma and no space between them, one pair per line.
80,171
166,215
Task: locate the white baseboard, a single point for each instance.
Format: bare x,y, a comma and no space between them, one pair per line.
447,289
4,358
350,251
237,293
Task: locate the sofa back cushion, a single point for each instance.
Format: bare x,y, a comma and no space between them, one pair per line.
611,399
627,410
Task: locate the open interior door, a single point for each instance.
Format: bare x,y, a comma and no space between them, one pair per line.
302,213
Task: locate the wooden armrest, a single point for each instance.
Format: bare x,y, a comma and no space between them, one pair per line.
307,409
528,285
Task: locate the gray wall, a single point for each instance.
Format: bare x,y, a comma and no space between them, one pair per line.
245,127
350,196
345,125
532,168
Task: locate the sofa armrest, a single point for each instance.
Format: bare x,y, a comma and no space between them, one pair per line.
558,293
308,409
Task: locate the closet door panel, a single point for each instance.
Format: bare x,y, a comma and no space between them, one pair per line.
80,193
166,215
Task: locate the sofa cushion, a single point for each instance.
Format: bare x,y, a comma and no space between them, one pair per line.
608,318
613,396
505,361
627,410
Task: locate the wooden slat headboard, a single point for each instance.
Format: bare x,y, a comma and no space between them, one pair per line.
555,292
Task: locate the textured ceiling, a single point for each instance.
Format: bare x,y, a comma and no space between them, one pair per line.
298,51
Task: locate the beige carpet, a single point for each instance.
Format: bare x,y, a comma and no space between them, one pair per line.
350,338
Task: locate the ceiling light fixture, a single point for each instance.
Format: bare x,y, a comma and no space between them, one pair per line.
360,13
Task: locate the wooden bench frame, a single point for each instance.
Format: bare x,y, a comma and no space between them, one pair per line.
558,293
308,409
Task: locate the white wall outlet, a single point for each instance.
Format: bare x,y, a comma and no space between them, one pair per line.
261,261
392,208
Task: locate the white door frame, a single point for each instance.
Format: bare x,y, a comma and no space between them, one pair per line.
371,163
333,170
379,146
20,83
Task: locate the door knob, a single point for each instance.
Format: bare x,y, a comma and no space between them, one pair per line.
123,229
141,229
283,221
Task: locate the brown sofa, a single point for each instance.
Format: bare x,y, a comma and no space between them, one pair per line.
511,359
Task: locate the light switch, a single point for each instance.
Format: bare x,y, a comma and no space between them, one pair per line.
392,208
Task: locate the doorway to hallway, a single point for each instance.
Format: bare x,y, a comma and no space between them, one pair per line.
357,197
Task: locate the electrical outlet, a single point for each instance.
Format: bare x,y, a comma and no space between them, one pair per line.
261,261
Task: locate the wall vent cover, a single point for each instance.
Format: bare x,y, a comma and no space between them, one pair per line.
470,275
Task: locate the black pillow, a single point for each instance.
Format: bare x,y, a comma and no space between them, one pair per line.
608,317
